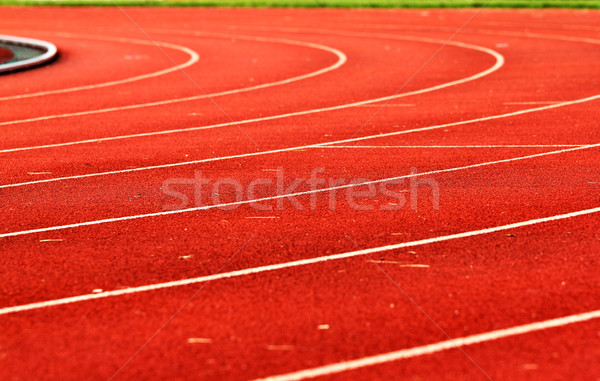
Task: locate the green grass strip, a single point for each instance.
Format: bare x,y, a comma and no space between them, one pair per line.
589,4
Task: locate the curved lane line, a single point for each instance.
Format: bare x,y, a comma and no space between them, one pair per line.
194,57
497,65
320,144
270,268
316,145
341,60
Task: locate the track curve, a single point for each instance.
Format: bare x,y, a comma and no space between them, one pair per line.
502,260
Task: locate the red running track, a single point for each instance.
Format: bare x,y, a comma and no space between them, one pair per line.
475,257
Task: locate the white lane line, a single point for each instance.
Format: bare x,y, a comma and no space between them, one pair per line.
429,349
544,26
429,28
497,65
286,265
283,196
391,105
298,148
341,60
540,36
468,146
532,103
194,57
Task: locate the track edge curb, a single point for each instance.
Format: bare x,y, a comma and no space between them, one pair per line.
50,52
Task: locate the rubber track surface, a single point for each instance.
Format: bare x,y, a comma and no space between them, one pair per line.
104,276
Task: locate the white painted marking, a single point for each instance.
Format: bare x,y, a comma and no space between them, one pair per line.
545,26
341,60
317,145
459,342
199,340
270,198
497,65
429,28
391,105
192,60
465,146
286,265
540,36
532,103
